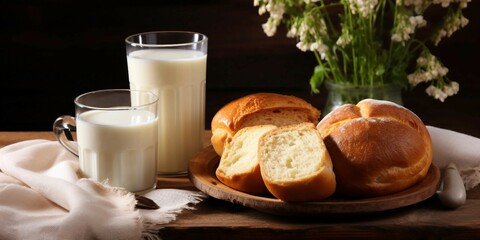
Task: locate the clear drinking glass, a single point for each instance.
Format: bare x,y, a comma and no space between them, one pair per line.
116,133
172,64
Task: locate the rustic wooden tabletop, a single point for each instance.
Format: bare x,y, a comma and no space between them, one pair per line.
219,219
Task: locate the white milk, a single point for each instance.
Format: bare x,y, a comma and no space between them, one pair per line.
178,78
118,146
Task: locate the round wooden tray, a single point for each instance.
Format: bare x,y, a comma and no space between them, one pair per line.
202,175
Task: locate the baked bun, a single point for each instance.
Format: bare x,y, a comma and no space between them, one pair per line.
239,167
295,164
377,147
259,109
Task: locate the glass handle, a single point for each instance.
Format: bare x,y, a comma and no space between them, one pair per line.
63,128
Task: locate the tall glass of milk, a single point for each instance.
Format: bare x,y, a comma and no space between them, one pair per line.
116,134
172,65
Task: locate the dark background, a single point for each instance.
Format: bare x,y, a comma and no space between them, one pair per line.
51,51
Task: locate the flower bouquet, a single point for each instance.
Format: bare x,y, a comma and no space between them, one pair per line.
370,42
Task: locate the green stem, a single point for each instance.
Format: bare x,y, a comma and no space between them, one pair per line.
350,22
320,62
390,48
324,7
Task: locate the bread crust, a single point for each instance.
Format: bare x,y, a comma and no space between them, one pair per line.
238,114
314,187
377,147
250,182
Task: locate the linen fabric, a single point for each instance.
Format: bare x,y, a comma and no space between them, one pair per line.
461,149
42,197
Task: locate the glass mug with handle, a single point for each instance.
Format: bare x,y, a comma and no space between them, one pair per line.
116,131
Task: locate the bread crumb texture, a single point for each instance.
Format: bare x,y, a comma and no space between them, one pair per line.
241,153
291,155
295,164
239,167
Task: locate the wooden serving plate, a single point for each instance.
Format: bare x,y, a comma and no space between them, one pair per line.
202,175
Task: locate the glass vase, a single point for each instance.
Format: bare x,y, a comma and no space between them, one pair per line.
340,93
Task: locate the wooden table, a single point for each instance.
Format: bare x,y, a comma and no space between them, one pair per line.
216,219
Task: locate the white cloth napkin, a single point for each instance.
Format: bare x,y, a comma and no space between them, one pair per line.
41,197
461,149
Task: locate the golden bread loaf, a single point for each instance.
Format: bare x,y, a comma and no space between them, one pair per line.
377,147
295,164
259,109
239,167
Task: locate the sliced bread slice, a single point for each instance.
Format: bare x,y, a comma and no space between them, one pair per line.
295,165
239,167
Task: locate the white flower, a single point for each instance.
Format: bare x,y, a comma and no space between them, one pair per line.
350,38
397,37
302,46
417,21
416,78
453,22
292,32
406,26
262,10
276,11
319,47
446,3
362,7
345,38
442,94
418,5
452,89
435,92
428,69
463,3
421,61
270,27
311,33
